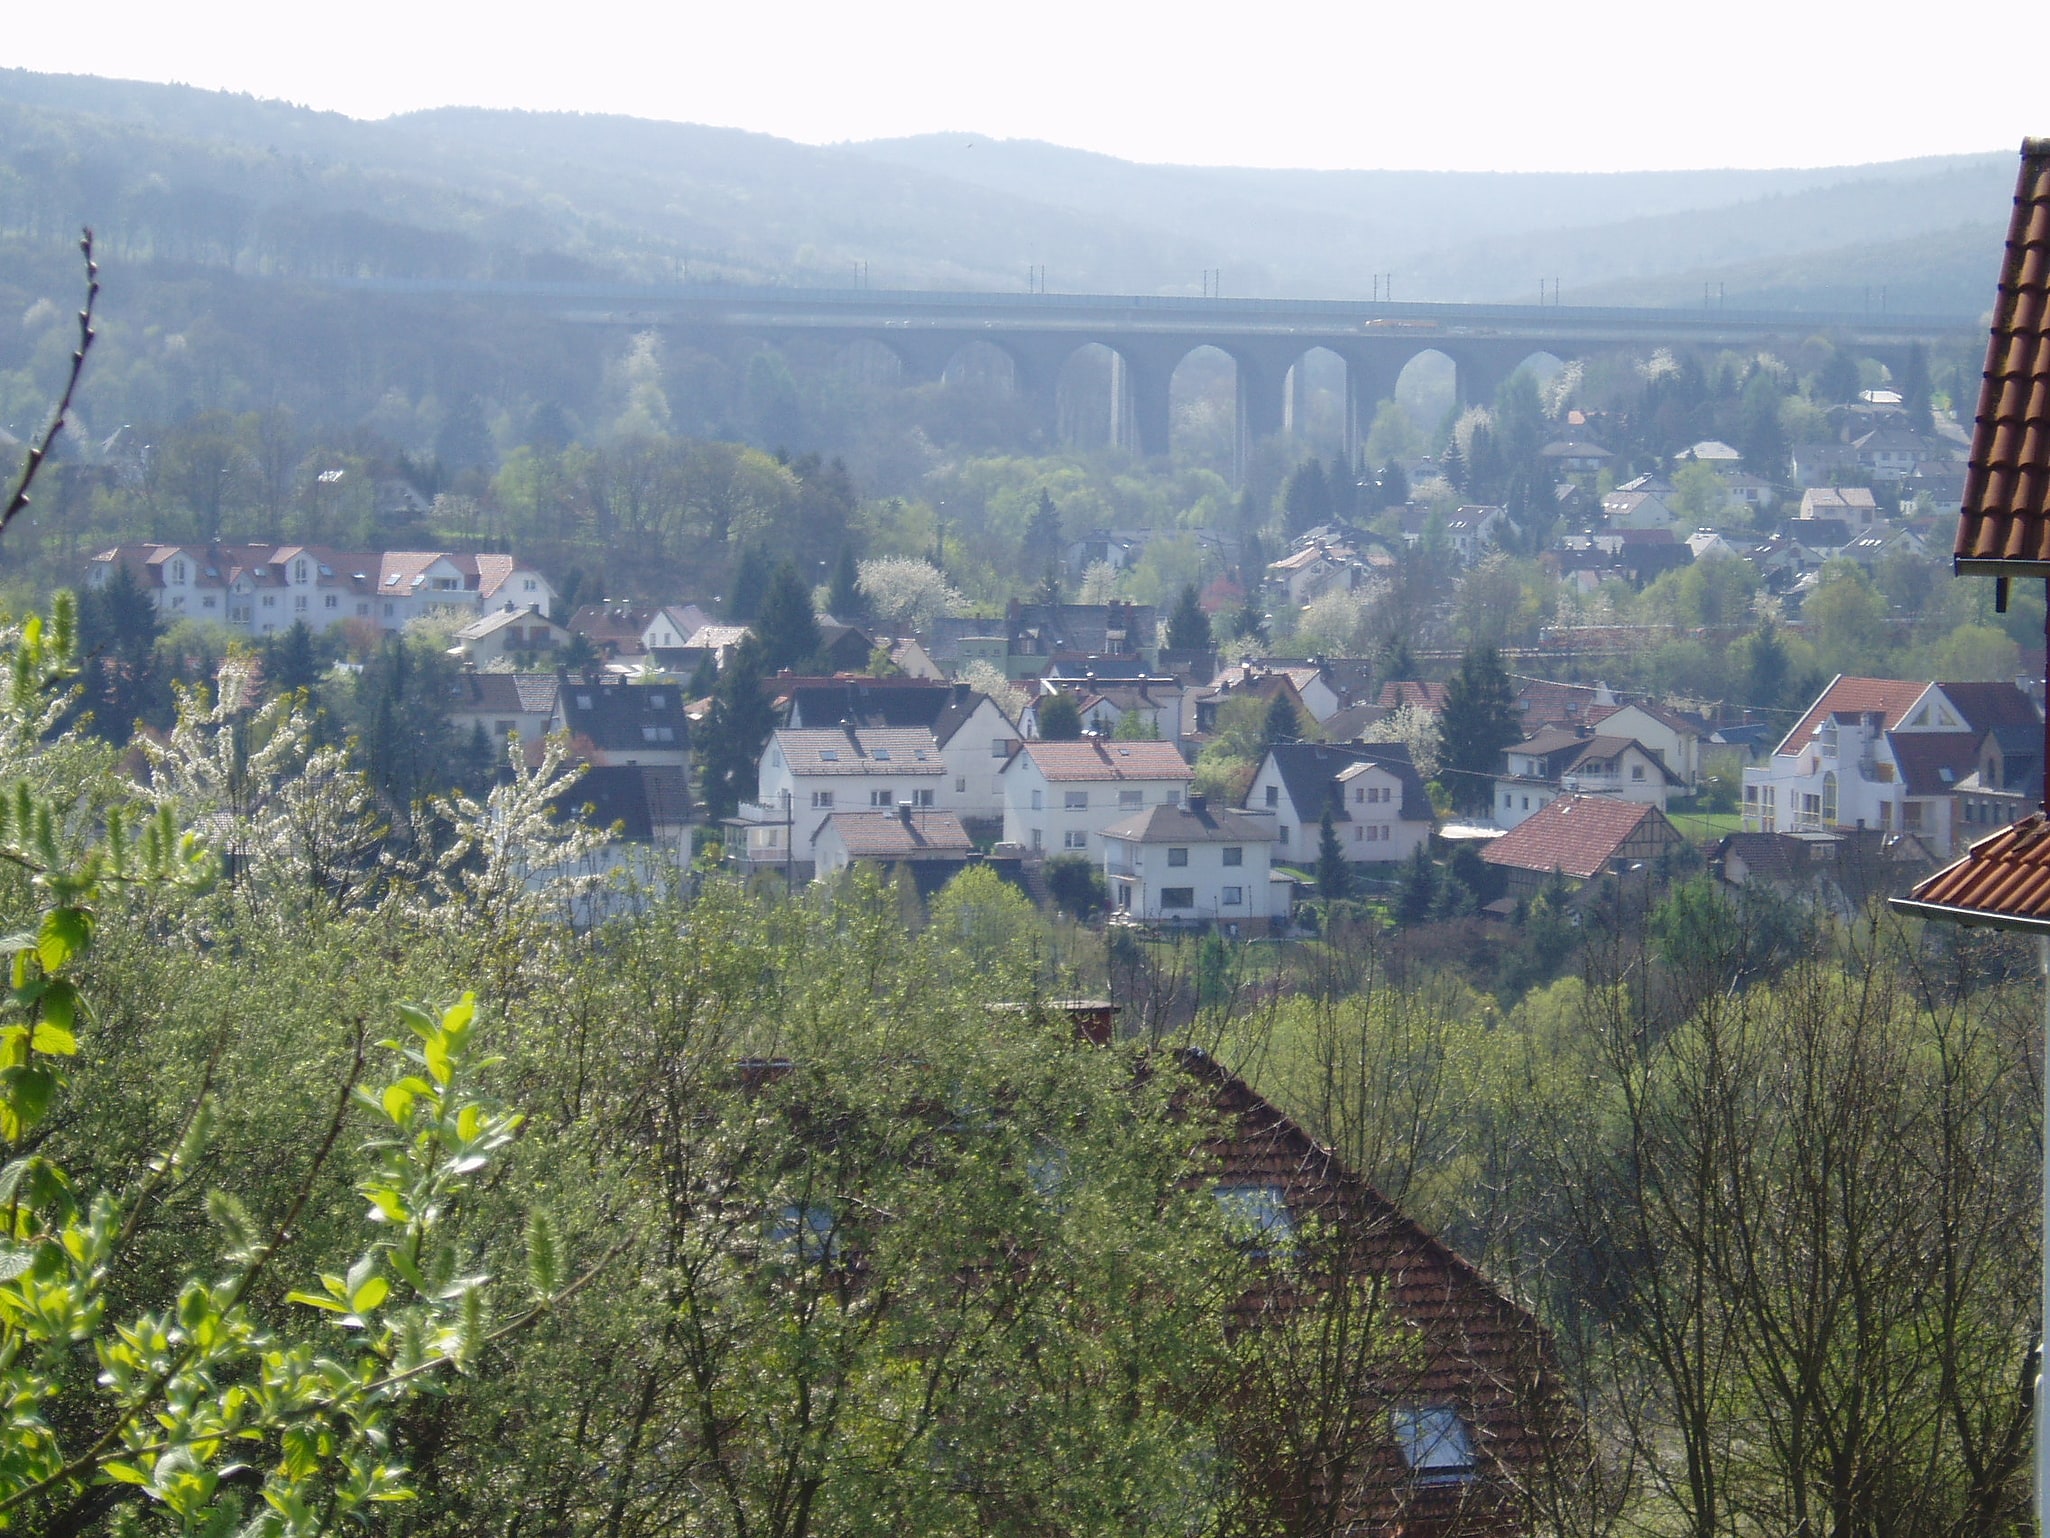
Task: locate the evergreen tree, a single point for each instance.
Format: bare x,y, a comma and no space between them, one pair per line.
1250,623
290,661
1305,499
1485,469
1393,485
843,598
1418,895
785,623
1836,381
1334,875
705,679
1040,552
1914,388
735,731
1252,564
1452,464
119,681
1283,724
401,696
750,582
1060,718
1478,722
1188,627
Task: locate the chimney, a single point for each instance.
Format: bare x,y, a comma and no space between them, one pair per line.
1198,804
904,812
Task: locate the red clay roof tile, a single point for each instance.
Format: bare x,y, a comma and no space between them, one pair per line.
2004,523
2003,880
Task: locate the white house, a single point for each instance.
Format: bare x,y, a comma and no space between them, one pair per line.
1636,510
1563,762
1061,795
1881,753
673,625
933,845
509,632
1378,803
261,589
1310,573
1191,864
848,768
1674,739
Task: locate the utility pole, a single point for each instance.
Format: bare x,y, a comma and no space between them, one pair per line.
789,842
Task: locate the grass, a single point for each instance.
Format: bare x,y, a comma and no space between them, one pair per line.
1705,825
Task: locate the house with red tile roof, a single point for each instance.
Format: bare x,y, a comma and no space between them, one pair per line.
1885,754
1060,796
1580,838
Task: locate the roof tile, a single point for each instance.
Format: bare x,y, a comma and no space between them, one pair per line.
2005,519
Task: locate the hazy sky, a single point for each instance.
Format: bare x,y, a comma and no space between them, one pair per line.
1599,85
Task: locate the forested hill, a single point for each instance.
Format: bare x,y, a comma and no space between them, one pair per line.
204,179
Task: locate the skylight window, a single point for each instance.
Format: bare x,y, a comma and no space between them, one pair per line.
1435,1443
829,755
882,755
1259,1213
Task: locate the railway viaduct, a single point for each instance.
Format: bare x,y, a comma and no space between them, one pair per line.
1149,336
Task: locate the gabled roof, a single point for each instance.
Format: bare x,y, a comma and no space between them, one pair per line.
639,798
513,693
1576,835
2004,524
1987,705
899,835
1398,692
625,718
1931,763
1308,769
872,750
1891,698
1193,824
1094,759
499,619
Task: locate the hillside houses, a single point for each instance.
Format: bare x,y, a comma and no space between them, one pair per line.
1376,798
263,589
1060,796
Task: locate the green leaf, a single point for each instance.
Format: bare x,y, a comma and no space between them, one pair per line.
66,933
440,1066
397,1101
544,1254
369,1295
54,1039
313,1300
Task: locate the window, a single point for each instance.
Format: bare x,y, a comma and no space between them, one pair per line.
1181,897
806,1233
1637,771
1035,801
1359,795
1274,795
363,610
529,585
1434,1443
829,755
1038,839
387,611
1075,838
1234,897
1259,1213
269,602
1829,799
1000,747
1131,798
1283,830
1234,855
333,602
822,800
208,603
1075,800
299,571
881,797
960,784
658,702
1359,832
881,755
1172,798
921,798
1507,800
1177,857
177,571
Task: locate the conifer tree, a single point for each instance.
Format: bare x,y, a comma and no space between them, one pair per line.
1188,627
1283,723
843,598
1060,718
1334,875
1479,721
785,623
734,732
750,582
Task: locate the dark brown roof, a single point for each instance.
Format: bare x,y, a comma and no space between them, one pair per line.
1889,698
2003,881
2004,524
899,835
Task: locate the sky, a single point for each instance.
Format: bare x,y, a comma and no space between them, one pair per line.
1482,85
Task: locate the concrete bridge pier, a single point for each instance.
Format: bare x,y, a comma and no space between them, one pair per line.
1370,378
1262,409
1036,375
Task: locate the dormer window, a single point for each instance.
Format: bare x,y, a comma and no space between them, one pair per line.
298,571
1435,1444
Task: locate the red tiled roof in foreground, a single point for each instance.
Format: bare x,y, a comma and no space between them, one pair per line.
2004,524
2003,881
